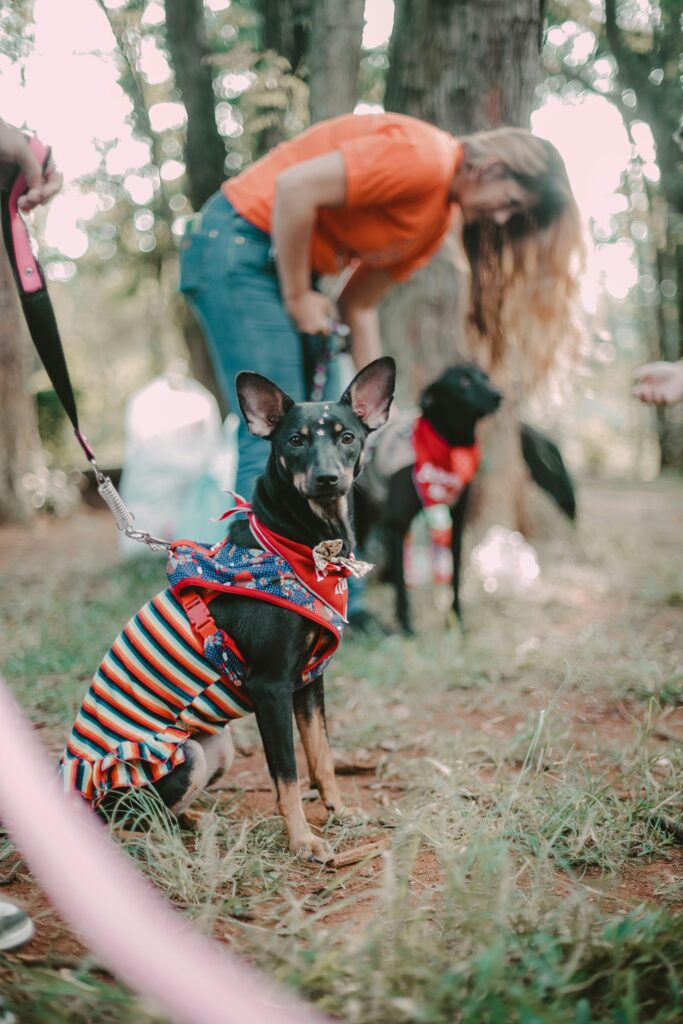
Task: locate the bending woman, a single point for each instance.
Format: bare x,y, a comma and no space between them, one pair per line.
373,193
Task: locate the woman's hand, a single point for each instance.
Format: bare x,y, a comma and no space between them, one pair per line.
15,150
311,312
659,383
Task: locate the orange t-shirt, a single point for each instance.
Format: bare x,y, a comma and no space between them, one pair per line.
398,174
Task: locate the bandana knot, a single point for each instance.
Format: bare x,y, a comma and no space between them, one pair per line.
328,561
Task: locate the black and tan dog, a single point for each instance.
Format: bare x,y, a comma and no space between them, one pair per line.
157,708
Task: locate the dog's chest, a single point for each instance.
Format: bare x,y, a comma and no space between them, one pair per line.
267,578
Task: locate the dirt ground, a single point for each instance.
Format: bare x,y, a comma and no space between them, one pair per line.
58,548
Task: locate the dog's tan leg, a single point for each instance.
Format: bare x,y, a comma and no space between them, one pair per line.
311,722
302,841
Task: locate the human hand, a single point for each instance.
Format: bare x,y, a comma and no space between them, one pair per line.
311,312
15,150
659,383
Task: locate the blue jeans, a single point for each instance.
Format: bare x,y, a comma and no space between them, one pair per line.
228,274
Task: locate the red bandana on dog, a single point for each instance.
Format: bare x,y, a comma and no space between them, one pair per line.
441,472
321,569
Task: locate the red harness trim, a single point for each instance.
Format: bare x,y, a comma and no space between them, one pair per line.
198,613
329,587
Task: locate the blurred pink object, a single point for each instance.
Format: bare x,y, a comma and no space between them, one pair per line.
115,911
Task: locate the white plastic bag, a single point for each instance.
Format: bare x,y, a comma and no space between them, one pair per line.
177,459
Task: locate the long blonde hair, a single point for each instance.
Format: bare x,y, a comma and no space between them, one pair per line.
525,273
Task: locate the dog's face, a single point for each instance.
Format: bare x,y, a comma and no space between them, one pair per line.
318,446
458,398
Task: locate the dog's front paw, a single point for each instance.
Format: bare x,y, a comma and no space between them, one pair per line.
195,820
311,848
348,815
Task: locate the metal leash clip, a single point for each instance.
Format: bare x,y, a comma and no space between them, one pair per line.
122,514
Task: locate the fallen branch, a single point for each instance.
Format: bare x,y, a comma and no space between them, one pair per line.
356,854
347,766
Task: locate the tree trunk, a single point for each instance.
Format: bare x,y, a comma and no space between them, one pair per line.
184,35
18,427
466,65
334,57
669,257
286,28
658,104
204,148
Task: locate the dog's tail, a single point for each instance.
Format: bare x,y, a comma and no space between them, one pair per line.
548,470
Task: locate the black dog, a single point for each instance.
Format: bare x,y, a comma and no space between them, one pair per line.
391,492
304,496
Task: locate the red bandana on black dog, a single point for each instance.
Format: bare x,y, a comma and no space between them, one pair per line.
441,471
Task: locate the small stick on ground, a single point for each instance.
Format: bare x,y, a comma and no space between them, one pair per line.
356,854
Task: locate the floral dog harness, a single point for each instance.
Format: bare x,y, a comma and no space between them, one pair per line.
171,672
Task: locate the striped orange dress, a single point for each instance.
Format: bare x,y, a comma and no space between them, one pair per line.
151,692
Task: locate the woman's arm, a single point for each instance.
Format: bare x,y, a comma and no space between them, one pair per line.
299,191
358,304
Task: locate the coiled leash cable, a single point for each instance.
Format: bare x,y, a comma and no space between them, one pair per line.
42,325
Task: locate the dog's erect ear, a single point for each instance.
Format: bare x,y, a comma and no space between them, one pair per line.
371,391
263,404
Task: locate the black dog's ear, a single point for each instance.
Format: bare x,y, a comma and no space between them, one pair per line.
371,392
263,404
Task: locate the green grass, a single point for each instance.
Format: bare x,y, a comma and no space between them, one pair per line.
536,761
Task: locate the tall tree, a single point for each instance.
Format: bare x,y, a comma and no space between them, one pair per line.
18,427
649,67
204,148
334,57
286,29
321,40
465,65
18,422
634,62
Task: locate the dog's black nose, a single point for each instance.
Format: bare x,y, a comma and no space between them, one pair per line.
326,480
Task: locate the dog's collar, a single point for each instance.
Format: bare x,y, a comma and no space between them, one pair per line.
442,471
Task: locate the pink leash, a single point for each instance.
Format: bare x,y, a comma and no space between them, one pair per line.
115,910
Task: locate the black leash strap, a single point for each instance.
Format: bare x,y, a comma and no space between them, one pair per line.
35,301
42,325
